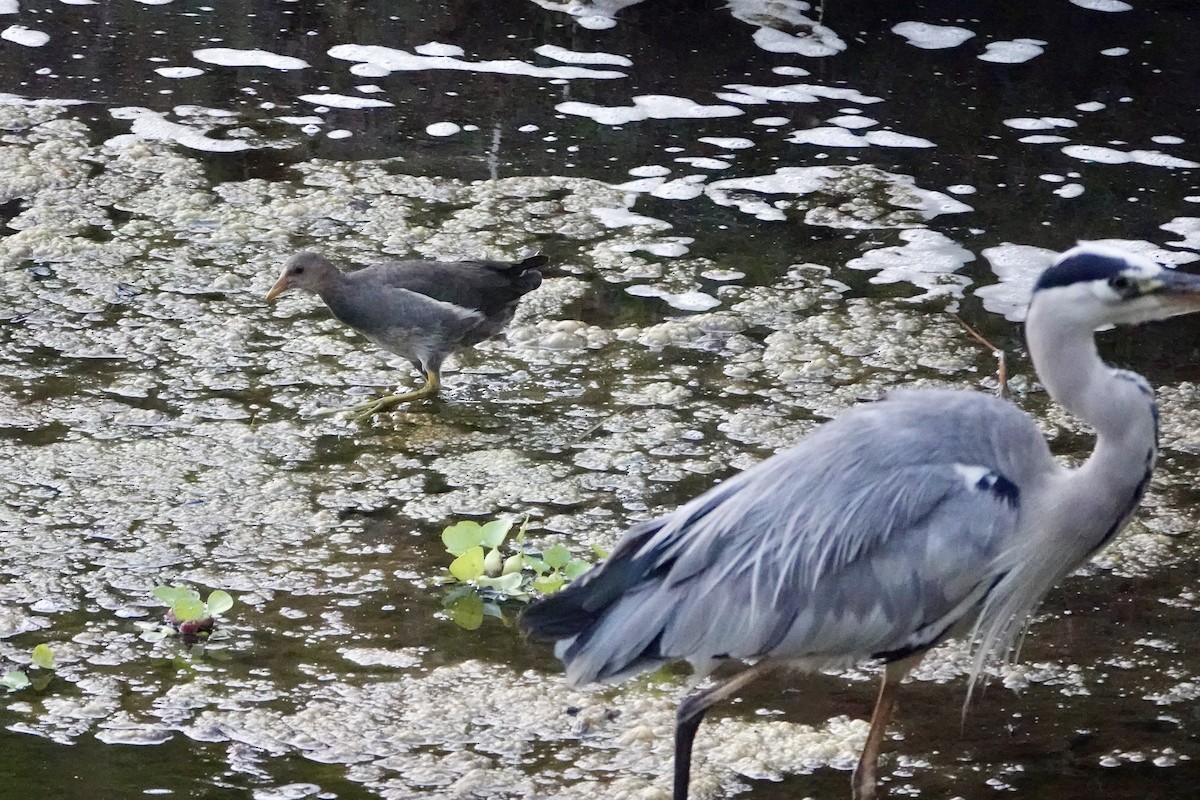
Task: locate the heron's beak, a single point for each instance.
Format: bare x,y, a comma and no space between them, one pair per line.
279,288
1179,292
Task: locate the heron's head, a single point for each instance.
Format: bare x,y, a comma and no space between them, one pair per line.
306,270
1102,286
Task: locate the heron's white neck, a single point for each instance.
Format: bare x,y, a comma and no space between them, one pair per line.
1119,405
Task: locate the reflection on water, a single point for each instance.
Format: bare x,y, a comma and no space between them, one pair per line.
755,216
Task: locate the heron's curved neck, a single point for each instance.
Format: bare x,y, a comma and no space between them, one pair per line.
1119,405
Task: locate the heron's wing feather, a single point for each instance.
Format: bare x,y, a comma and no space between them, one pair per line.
872,536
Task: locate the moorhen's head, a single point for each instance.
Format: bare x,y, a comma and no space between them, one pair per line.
306,270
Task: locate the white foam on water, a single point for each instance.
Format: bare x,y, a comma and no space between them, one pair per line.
233,57
76,2
802,93
830,136
1043,138
641,184
340,133
667,247
703,163
650,171
382,60
852,121
840,137
1166,139
344,101
576,57
1017,266
154,2
686,188
1017,51
961,188
9,7
684,301
1111,6
1039,123
1093,105
932,37
1052,178
770,122
1069,190
894,139
624,218
26,37
1188,228
528,128
927,260
791,72
652,106
302,120
151,126
817,42
442,129
1109,155
439,49
179,72
728,142
1115,51
369,88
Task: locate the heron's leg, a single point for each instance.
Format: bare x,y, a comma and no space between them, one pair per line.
691,711
863,783
364,411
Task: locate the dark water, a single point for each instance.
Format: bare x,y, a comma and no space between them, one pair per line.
157,426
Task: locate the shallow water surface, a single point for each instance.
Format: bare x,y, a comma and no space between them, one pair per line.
754,220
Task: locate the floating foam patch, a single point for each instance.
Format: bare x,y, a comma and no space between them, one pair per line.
231,57
650,106
377,61
932,37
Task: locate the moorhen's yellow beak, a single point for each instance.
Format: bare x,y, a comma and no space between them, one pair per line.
280,286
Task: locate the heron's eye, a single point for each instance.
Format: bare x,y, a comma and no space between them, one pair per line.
298,270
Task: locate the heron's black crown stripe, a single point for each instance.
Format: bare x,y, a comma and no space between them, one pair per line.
1081,267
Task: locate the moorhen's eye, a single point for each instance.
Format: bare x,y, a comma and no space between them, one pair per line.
1120,282
298,270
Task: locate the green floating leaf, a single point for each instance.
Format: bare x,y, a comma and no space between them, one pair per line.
557,556
505,583
514,563
599,551
219,602
469,565
549,584
14,679
156,634
536,564
467,611
43,656
173,594
493,533
575,568
462,537
188,609
492,563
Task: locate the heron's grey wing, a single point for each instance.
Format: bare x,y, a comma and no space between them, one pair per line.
872,537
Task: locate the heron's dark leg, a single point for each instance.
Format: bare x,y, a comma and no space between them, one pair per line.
364,411
862,785
691,711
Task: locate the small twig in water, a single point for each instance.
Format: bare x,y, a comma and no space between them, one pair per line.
1001,363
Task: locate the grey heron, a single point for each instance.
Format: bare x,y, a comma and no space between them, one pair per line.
898,524
421,310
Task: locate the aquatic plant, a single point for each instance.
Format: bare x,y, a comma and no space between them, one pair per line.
485,577
188,617
41,660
